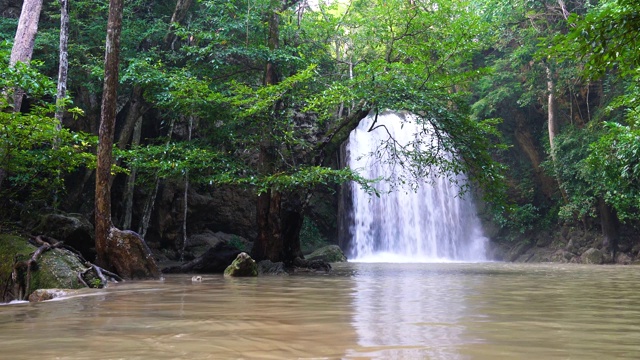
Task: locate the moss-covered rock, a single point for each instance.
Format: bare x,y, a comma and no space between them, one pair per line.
10,247
55,268
243,265
592,256
330,253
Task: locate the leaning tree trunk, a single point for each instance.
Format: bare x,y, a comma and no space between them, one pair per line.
123,251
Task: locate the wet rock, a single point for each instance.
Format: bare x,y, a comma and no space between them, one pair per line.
73,229
242,266
49,294
267,267
311,265
330,253
130,256
592,256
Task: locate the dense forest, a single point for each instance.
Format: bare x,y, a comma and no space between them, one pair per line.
229,116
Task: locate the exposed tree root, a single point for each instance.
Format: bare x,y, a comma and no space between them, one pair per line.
21,275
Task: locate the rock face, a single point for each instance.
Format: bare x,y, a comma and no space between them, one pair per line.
243,265
214,261
571,245
198,244
330,253
592,256
227,209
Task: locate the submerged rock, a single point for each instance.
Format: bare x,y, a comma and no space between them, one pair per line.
49,294
330,253
243,265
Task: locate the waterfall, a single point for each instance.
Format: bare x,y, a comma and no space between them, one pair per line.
430,223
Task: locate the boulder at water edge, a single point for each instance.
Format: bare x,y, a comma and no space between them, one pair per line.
592,256
56,268
330,253
243,265
267,267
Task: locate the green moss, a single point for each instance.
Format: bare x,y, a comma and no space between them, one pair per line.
56,268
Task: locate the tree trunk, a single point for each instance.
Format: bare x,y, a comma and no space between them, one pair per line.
123,251
131,180
180,11
609,223
268,244
552,124
148,206
185,208
551,111
25,40
64,62
22,50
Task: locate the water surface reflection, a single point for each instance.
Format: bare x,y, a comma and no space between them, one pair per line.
411,311
360,311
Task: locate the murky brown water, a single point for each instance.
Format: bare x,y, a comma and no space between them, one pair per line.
360,311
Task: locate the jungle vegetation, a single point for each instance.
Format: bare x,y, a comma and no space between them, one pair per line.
538,100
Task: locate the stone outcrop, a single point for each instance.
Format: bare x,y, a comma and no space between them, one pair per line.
242,266
213,261
198,244
572,245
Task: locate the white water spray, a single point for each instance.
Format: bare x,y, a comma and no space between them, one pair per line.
431,224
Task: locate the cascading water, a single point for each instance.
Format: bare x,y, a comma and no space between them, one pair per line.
432,223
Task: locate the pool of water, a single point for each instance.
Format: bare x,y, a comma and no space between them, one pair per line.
359,311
